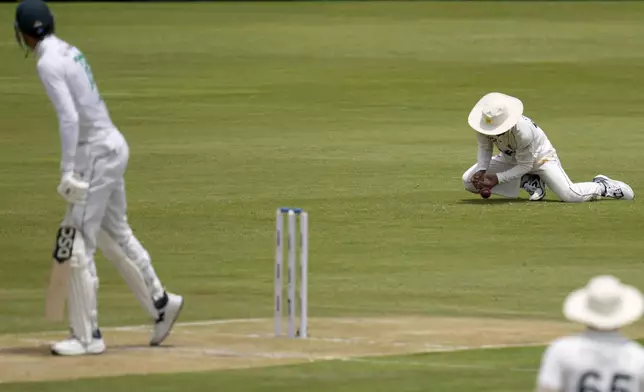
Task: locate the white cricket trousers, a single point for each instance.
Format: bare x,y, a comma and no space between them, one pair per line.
550,172
102,165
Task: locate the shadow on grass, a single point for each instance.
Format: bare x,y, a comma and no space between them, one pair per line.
500,201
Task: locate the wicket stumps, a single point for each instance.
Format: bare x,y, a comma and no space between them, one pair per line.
291,214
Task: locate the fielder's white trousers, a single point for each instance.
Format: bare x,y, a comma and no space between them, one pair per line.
103,166
550,171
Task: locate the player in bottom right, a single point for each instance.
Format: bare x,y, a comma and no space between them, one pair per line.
600,359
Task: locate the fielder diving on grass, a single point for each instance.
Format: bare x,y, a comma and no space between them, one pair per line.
600,358
94,159
527,160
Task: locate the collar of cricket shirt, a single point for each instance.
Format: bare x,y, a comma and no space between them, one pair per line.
43,44
603,335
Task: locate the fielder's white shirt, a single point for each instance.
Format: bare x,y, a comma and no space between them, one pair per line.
68,80
526,144
593,362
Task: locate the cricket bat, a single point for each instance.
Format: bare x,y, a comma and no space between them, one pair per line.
57,291
59,278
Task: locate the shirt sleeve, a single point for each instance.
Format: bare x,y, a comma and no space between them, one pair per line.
523,154
485,149
53,80
551,371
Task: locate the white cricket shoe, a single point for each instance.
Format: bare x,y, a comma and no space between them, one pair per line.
168,314
614,189
534,186
73,347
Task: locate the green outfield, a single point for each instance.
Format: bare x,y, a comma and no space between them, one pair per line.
356,112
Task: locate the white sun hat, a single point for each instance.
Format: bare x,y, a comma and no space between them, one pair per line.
495,114
605,304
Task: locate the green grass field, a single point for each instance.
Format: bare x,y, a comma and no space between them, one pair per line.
358,113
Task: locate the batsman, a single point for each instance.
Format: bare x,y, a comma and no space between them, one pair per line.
93,162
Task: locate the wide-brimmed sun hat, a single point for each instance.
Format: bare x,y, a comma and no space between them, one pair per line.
604,303
495,114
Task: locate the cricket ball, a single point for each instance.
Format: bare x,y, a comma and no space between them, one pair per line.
485,193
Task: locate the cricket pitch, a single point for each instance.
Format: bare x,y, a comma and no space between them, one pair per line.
233,344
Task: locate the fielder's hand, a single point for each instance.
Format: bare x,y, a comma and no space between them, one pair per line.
477,179
74,191
489,181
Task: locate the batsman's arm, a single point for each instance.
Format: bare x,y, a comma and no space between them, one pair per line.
485,150
52,77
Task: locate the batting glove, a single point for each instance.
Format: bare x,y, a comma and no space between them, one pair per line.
74,191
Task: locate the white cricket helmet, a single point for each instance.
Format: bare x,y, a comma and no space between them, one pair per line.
495,114
604,303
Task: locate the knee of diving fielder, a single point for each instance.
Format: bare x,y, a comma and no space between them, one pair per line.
467,183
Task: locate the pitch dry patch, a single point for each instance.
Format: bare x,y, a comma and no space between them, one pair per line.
233,344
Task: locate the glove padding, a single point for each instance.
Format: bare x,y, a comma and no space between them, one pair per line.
73,190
